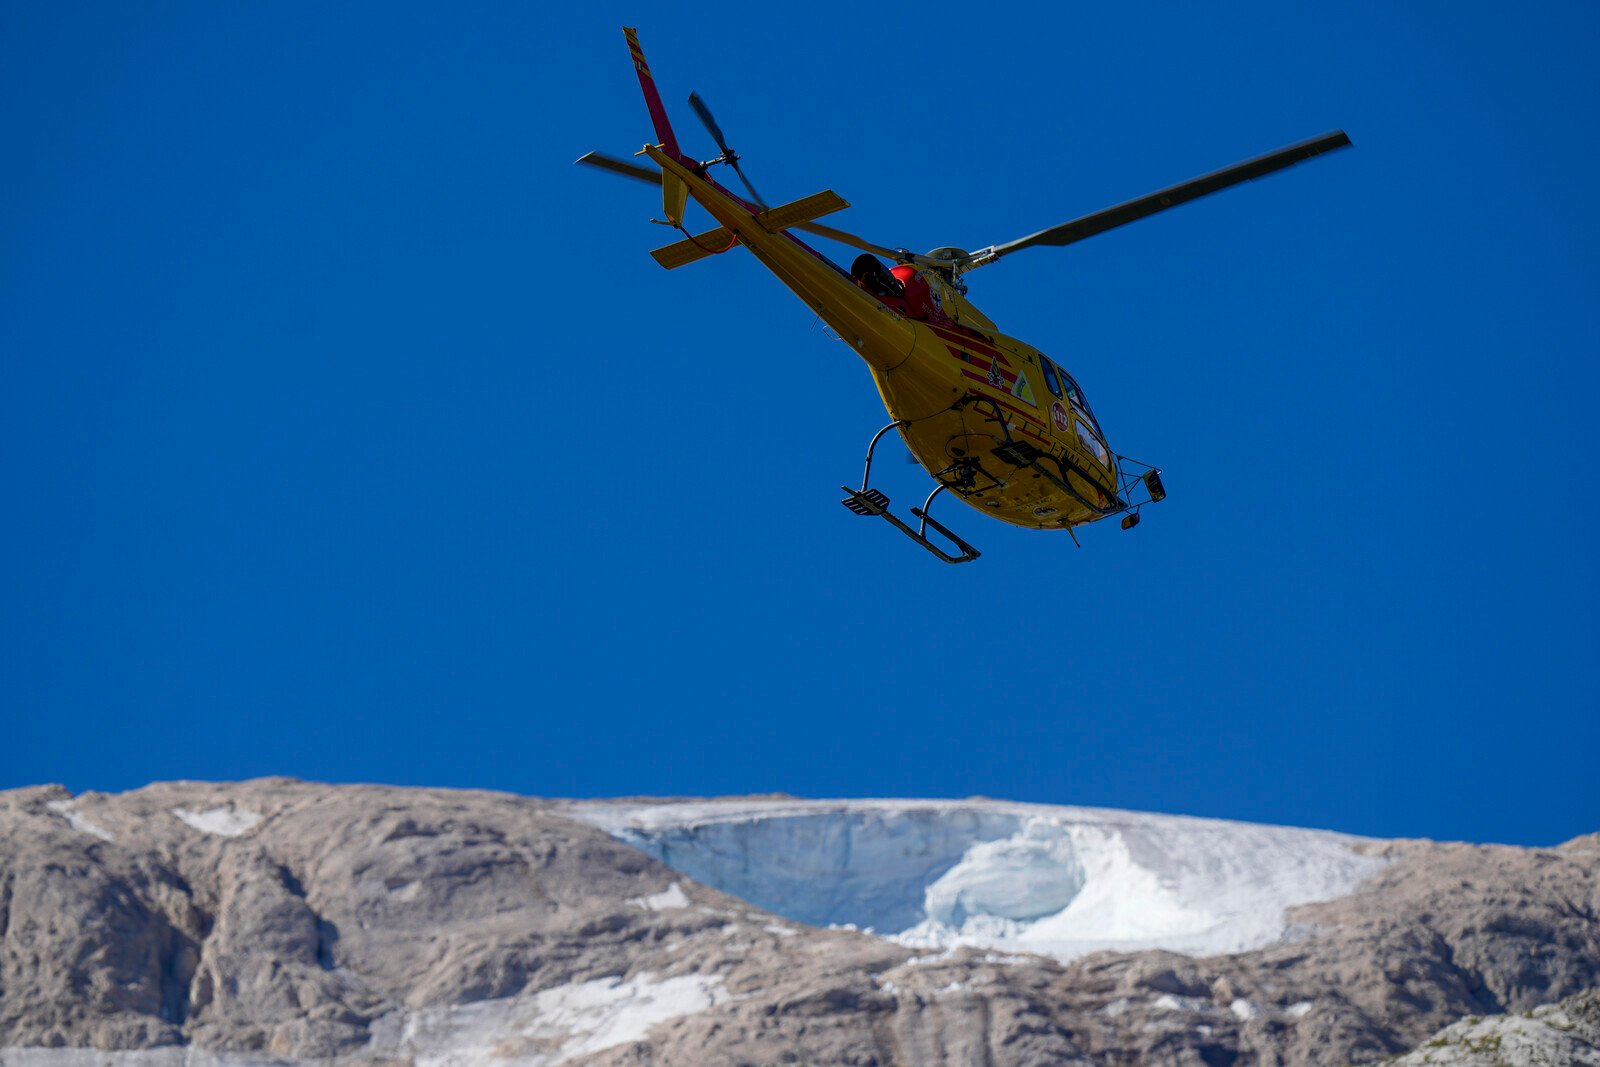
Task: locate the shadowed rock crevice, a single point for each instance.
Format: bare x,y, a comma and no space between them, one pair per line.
327,938
327,934
179,963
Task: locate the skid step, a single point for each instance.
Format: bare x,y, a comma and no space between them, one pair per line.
865,501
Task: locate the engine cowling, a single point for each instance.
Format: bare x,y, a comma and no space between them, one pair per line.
920,301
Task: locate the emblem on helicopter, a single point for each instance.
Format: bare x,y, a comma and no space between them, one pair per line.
1058,415
914,328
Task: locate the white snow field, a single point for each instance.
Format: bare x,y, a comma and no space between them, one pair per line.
1059,881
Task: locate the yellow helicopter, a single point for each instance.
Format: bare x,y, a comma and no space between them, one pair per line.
992,419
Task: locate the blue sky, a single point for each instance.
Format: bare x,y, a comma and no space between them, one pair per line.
347,431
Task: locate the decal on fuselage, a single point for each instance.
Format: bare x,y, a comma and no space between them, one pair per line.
1022,390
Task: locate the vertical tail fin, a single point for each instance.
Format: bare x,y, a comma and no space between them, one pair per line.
652,96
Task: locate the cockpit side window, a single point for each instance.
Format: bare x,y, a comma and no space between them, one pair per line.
1075,395
1050,378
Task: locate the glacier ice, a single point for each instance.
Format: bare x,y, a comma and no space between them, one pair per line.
863,868
1033,873
1060,881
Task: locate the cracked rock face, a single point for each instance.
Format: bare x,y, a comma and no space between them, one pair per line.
279,921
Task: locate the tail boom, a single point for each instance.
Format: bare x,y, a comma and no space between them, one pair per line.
881,338
652,97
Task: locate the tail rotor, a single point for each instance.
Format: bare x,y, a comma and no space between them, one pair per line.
729,156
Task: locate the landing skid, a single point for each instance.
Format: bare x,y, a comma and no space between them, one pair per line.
868,501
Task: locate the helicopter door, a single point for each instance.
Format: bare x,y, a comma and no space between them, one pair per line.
1090,440
1083,420
1072,420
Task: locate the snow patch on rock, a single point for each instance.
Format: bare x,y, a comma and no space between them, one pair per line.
1243,1010
224,822
1173,1002
562,1025
77,820
672,897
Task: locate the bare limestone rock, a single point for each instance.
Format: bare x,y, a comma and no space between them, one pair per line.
278,921
1565,1034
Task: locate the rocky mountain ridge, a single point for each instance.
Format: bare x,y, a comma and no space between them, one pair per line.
281,921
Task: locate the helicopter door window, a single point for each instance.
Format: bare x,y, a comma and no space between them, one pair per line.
1079,404
1092,442
1050,378
1074,394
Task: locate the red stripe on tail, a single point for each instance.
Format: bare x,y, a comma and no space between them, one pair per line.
652,96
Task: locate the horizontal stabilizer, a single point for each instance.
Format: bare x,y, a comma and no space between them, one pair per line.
772,220
697,247
803,210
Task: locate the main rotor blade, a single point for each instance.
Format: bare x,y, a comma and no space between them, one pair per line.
1162,199
847,239
621,166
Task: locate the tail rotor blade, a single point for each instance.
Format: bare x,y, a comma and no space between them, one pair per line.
704,112
729,156
753,194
